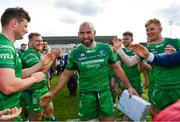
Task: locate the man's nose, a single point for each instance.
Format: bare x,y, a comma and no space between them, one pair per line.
86,36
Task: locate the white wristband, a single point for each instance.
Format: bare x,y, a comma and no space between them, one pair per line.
151,57
120,51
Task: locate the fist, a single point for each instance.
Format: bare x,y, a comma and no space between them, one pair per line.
38,76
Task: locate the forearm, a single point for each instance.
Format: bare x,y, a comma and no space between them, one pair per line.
47,67
122,76
28,71
61,82
17,85
168,60
127,61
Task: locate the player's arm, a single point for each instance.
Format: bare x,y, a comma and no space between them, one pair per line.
127,61
64,77
122,76
44,65
62,81
168,60
10,83
9,114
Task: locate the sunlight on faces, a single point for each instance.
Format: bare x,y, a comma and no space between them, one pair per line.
127,41
20,29
153,32
86,34
36,43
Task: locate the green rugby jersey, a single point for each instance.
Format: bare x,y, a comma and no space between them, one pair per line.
9,58
161,77
29,58
92,65
111,72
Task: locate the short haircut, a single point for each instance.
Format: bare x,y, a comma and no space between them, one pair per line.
128,33
14,13
31,35
153,21
23,44
87,24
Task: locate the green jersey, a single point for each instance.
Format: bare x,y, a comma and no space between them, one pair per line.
29,58
165,78
9,58
110,70
92,65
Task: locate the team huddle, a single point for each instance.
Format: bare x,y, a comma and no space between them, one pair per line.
103,70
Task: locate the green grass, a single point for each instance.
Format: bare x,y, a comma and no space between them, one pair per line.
66,106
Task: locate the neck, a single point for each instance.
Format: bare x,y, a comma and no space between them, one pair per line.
128,47
8,34
159,40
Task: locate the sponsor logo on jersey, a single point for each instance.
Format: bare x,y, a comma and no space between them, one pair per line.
6,56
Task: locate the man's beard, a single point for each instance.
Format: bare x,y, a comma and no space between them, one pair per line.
87,43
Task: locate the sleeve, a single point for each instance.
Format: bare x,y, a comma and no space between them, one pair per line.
71,65
112,57
7,58
30,59
168,60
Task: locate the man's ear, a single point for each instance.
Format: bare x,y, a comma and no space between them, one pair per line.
94,32
14,23
160,29
78,33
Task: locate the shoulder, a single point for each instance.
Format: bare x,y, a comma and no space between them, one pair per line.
77,49
103,45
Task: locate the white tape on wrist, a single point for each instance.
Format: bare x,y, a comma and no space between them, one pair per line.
120,51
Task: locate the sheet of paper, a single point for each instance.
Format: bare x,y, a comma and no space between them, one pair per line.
134,107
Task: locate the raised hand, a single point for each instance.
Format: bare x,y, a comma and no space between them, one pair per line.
57,52
140,50
9,114
116,42
38,77
47,58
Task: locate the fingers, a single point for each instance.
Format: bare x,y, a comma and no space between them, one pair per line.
38,76
45,99
5,111
140,50
49,56
132,91
170,49
116,42
12,114
16,111
57,52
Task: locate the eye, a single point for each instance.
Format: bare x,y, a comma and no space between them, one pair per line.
88,32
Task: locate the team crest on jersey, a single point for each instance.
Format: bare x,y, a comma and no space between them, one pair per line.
101,52
82,54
